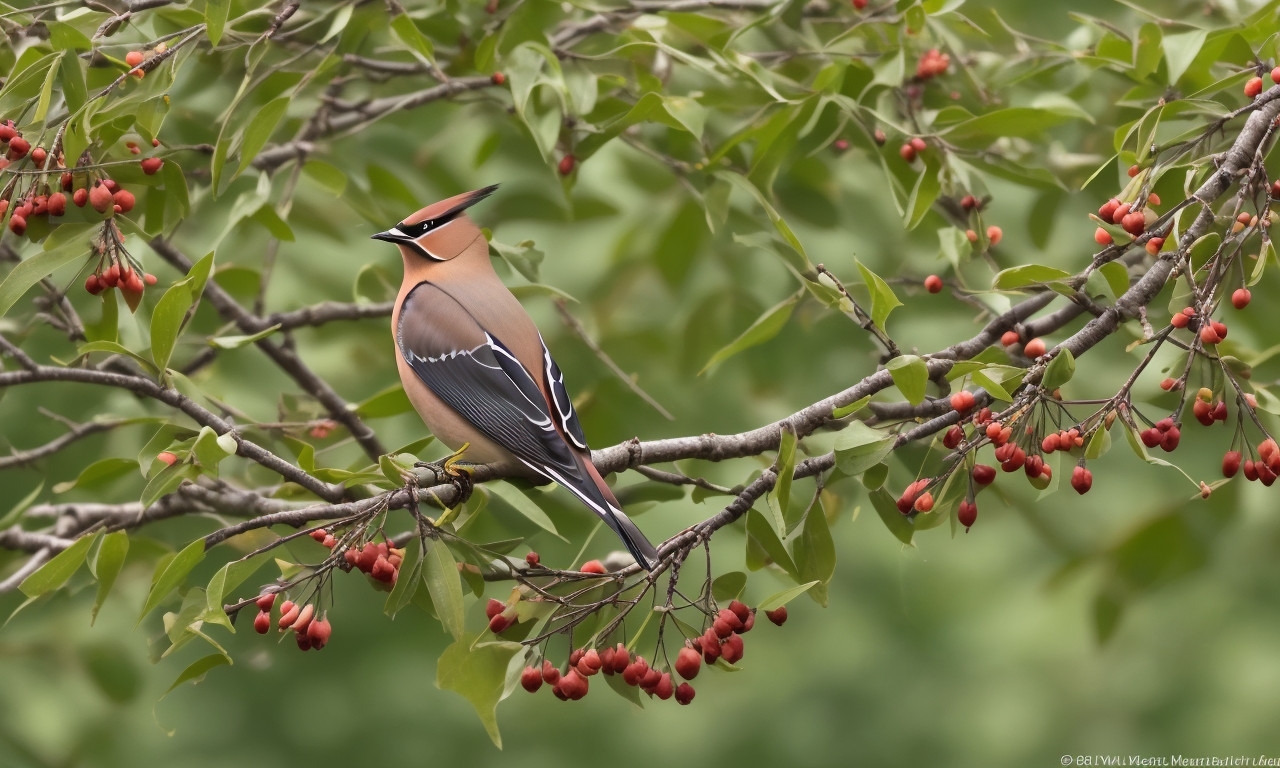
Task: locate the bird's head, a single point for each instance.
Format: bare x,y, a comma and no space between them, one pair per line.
440,231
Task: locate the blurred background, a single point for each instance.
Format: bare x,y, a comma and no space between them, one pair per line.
1136,620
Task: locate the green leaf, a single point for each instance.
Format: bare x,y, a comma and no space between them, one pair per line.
15,513
440,571
61,567
195,672
517,500
412,569
764,328
883,299
1180,50
729,586
105,566
1029,274
895,521
170,312
46,91
1099,443
780,499
478,671
779,599
225,581
330,177
210,449
859,447
407,32
170,572
911,375
1020,122
798,260
851,408
1061,368
391,401
166,480
923,194
33,270
98,473
215,20
815,553
764,546
259,130
235,342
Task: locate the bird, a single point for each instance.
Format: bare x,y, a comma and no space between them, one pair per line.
477,370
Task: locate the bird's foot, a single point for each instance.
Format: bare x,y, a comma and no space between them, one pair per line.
451,469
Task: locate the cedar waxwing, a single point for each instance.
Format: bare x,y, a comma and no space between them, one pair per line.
476,369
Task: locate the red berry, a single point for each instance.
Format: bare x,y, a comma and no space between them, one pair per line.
567,164
493,608
984,474
531,679
262,622
994,234
497,78
918,144
1119,213
1179,320
319,633
1081,480
18,148
592,566
907,152
38,156
150,165
80,197
1102,236
288,614
1275,75
531,559
1208,335
924,502
1034,348
968,202
971,236
688,662
1154,245
590,663
1134,170
100,198
149,279
962,401
685,692
953,437
1240,299
133,58
777,615
498,624
1108,209
124,200
1009,338
550,675
1134,222
57,204
860,4
1230,463
1253,87
265,602
740,610
165,456
17,225
967,513
93,285
933,284
7,132
732,649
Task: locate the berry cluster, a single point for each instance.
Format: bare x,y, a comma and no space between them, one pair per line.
1264,470
1253,86
312,632
932,63
379,559
722,639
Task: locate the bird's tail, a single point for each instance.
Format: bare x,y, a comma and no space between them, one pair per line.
636,542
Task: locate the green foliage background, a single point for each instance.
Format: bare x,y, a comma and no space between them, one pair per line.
979,648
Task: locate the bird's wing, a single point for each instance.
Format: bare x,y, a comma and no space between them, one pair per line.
565,414
477,376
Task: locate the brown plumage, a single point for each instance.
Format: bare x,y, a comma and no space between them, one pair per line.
475,367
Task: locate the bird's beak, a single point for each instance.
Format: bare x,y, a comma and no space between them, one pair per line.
392,235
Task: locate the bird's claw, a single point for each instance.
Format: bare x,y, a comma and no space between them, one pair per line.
451,469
